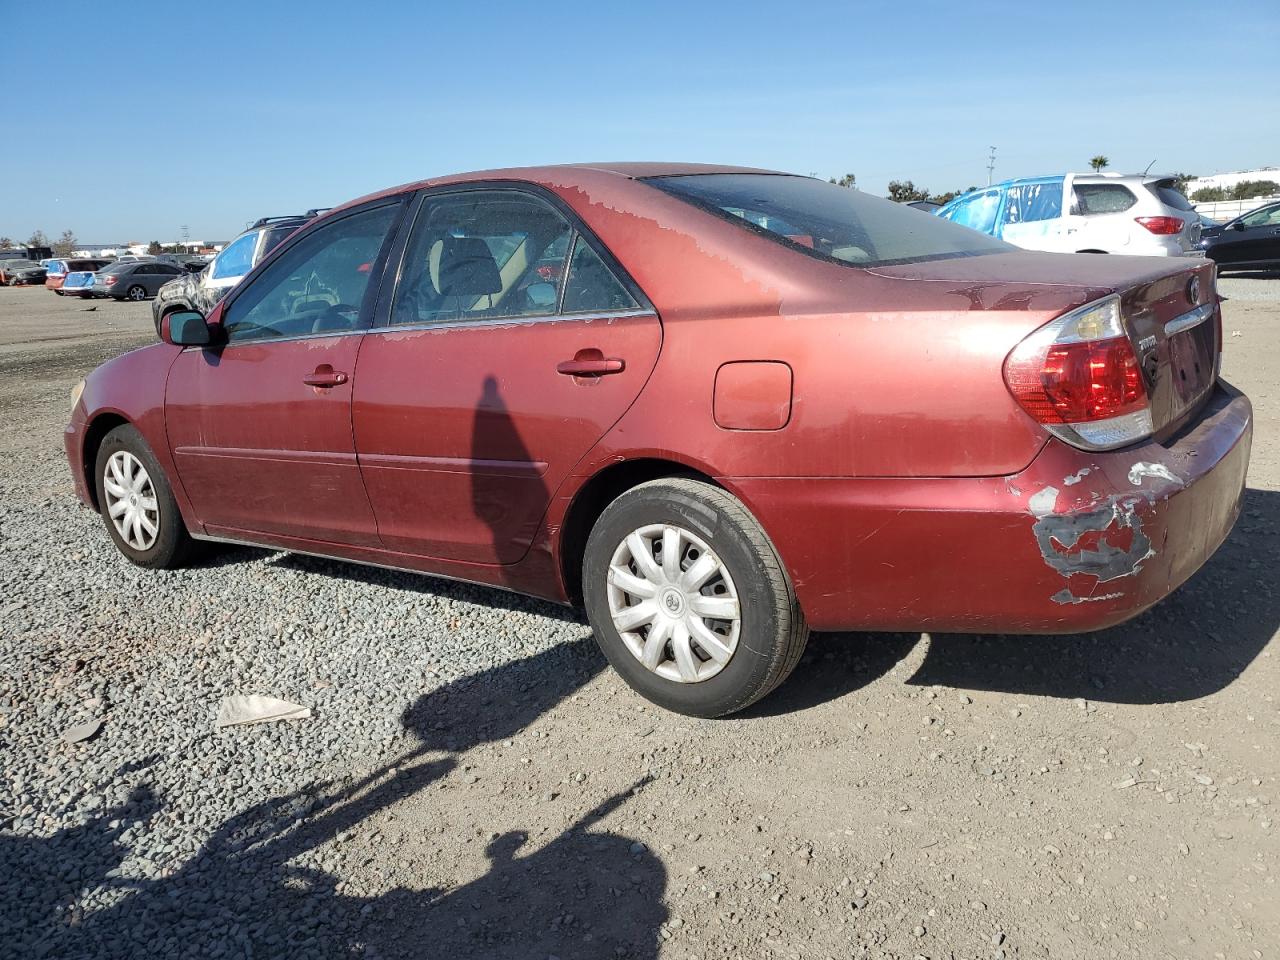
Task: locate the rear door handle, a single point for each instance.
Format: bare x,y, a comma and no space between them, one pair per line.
590,367
325,376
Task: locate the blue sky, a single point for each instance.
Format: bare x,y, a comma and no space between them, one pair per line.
211,115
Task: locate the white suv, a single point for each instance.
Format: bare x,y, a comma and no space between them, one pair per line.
1084,213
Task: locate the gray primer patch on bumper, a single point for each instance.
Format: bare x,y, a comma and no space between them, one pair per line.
1060,536
1067,597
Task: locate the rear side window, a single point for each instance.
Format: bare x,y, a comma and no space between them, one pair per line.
828,221
273,237
480,255
1029,202
1097,198
591,286
1169,194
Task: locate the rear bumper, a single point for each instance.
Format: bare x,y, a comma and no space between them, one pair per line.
1077,541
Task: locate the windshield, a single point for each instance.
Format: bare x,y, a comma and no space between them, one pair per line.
829,221
20,264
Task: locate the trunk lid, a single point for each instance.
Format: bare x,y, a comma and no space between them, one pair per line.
1169,305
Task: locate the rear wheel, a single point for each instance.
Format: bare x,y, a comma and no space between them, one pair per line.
136,292
689,599
137,502
58,292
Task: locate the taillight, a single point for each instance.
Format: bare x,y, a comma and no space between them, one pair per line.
1080,377
1165,226
108,280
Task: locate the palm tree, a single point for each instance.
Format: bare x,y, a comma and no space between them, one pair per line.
1098,163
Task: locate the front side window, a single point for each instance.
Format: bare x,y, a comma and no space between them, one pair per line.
316,286
236,260
1093,199
828,221
482,254
1266,217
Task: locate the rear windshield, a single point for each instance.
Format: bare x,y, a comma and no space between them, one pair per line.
829,221
1170,195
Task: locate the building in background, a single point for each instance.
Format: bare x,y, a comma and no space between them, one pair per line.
1227,181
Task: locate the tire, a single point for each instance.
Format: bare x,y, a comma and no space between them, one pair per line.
137,292
770,632
59,293
170,546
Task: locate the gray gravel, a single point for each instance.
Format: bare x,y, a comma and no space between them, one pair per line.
474,783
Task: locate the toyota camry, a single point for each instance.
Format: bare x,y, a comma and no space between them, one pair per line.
717,407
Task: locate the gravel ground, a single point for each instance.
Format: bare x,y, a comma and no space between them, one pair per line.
474,783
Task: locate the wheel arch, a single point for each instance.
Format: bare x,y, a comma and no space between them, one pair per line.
97,430
595,495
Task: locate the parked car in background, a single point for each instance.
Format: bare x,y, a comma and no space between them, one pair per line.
1084,213
1250,241
16,272
79,283
741,404
58,270
201,289
134,281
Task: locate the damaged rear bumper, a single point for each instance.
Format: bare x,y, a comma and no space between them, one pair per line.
1077,541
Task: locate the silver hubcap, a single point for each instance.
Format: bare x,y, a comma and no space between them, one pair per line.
673,603
137,293
131,500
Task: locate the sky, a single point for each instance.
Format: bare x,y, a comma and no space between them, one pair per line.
210,115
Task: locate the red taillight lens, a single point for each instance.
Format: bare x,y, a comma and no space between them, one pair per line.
1165,226
1080,382
1080,377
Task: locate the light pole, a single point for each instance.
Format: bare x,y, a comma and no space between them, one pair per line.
991,165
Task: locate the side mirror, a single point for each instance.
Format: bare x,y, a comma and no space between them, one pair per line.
187,328
541,295
1238,225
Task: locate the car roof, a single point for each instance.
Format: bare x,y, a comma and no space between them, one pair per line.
631,170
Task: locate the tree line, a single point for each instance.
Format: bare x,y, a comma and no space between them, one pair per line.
62,247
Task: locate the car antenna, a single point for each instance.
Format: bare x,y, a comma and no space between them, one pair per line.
1149,166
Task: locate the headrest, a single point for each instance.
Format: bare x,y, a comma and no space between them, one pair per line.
466,268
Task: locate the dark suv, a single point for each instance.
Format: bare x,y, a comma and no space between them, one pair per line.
200,291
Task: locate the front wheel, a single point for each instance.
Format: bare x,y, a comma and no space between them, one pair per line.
689,599
137,502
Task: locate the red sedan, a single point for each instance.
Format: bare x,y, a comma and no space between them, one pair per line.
717,407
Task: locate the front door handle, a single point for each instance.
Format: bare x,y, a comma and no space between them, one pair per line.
325,376
590,363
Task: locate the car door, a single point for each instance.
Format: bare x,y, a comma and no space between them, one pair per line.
260,425
509,345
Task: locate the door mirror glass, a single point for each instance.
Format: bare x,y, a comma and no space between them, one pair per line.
187,328
542,295
1238,225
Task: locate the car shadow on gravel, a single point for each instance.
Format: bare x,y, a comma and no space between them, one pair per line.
305,875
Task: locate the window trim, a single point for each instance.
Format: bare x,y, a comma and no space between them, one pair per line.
386,301
371,293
